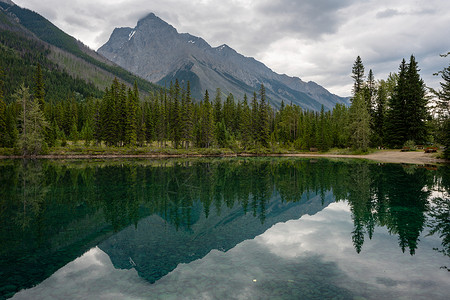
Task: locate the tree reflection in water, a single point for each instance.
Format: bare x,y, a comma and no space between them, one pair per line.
53,211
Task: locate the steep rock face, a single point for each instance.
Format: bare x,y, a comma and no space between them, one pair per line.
155,51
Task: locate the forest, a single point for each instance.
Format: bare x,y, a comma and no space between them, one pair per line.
390,113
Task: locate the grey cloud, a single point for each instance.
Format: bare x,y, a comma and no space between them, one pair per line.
387,13
308,19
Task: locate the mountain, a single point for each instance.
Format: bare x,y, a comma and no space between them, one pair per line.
157,249
27,38
155,51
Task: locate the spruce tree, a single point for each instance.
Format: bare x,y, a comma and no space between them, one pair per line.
379,117
218,113
246,124
34,124
187,117
358,75
416,105
360,123
229,113
443,106
395,123
206,122
255,118
263,119
130,138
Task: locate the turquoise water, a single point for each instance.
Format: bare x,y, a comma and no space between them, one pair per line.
257,228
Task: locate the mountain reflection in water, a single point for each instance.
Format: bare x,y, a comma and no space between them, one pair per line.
182,211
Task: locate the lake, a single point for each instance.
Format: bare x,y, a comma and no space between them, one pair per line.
231,228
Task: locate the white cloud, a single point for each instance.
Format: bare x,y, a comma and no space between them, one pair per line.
308,253
316,41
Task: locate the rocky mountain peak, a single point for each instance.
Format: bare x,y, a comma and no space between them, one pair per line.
152,23
155,51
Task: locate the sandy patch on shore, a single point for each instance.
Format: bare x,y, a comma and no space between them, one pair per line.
389,156
384,156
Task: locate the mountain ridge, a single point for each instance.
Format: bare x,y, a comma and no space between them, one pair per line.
154,50
68,53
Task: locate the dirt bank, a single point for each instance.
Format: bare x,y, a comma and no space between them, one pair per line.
385,156
389,156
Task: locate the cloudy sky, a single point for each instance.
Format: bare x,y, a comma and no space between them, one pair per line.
314,40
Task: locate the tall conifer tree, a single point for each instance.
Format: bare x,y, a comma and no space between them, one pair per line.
416,105
395,123
358,75
263,118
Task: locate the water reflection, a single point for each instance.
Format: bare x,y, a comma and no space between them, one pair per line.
181,210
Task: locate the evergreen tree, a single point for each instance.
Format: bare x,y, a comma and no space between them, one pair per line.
246,124
358,75
408,114
263,119
443,109
131,117
360,123
416,105
31,140
255,118
12,133
187,117
395,123
206,123
218,114
87,133
74,132
379,117
175,117
229,113
110,116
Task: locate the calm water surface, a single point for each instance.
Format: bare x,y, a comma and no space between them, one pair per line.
277,228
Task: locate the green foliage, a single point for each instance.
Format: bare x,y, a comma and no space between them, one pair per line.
51,34
407,115
20,58
410,144
34,124
360,123
358,75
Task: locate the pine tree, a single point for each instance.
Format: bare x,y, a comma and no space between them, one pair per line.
187,117
360,124
255,118
395,123
34,124
379,117
87,133
132,103
207,122
358,75
246,124
263,119
416,105
229,113
443,106
217,106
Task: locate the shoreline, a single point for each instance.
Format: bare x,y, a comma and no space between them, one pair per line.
385,156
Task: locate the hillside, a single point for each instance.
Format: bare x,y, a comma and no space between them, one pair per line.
155,51
27,38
